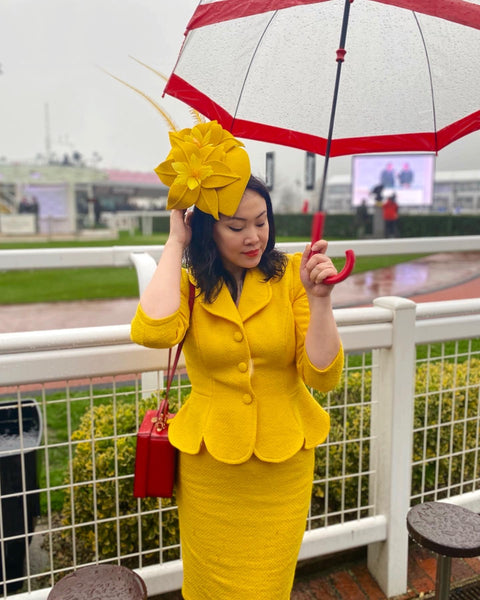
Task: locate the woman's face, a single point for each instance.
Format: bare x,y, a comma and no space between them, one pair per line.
242,239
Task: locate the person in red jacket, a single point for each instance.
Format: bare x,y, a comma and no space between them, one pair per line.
390,216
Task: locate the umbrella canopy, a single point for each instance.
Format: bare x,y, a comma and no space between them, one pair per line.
266,69
270,70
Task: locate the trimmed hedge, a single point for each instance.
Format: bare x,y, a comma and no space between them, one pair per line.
88,507
445,443
342,226
446,435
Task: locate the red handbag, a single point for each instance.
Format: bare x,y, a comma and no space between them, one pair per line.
155,457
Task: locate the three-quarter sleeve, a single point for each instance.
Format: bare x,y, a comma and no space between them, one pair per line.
167,331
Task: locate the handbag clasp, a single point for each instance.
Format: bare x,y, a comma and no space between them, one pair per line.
160,423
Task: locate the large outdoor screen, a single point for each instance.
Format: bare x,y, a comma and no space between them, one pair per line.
377,176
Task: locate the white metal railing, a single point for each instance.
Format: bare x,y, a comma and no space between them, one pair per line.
118,256
398,417
362,488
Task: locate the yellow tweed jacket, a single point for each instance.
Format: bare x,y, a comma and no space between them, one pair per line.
248,369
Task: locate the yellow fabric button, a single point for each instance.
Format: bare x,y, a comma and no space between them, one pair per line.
238,336
242,367
247,399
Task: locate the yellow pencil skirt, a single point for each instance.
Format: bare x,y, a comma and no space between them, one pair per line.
241,526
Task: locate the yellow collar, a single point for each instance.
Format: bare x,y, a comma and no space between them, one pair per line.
256,294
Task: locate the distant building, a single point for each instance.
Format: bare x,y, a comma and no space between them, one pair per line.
64,192
73,197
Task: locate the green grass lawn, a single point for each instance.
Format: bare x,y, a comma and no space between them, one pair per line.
50,285
90,283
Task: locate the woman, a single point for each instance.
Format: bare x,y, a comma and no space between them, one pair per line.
262,328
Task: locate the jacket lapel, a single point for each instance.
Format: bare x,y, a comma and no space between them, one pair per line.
223,306
256,294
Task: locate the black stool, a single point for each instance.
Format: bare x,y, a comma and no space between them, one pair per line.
100,582
448,530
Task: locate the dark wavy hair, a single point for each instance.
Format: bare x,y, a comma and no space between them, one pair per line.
203,259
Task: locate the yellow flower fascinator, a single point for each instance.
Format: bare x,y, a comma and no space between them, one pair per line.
206,167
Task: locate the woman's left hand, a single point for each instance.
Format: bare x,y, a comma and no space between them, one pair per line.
315,267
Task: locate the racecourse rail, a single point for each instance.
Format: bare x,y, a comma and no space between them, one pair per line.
406,428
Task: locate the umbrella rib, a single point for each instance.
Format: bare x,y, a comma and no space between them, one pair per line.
250,66
431,80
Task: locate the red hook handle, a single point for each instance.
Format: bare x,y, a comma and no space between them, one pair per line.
345,272
317,233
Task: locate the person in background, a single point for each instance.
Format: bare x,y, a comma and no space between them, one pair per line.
24,206
405,176
387,176
390,216
361,218
377,193
261,330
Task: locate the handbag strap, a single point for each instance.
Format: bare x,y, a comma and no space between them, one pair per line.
172,368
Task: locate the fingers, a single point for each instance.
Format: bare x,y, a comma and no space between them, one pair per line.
316,264
319,246
305,256
180,230
180,218
176,216
319,267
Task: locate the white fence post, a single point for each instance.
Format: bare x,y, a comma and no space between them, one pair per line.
392,430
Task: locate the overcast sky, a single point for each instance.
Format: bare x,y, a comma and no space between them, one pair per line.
51,52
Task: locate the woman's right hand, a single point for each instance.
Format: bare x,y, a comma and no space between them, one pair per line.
180,230
161,297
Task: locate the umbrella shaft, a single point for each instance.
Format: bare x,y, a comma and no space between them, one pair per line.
340,55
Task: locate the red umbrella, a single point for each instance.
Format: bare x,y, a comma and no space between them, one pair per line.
270,70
